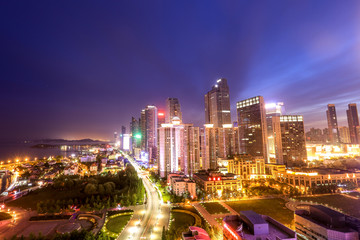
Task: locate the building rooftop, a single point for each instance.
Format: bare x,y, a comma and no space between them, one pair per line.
323,171
252,226
253,217
207,176
327,218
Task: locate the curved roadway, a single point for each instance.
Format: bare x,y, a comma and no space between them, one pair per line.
148,220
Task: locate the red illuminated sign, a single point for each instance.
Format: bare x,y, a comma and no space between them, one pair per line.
160,114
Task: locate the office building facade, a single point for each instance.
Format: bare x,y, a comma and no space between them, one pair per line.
252,125
217,104
292,133
332,124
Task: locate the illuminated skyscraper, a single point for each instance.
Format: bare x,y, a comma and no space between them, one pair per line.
273,130
332,124
191,161
217,104
143,130
353,121
218,143
170,148
123,131
292,134
252,125
179,148
149,125
173,109
161,118
135,133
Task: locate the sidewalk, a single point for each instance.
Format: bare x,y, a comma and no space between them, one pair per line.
207,216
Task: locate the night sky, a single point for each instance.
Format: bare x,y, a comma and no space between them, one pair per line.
76,69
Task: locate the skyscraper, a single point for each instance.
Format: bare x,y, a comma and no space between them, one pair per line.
252,125
218,142
161,118
135,133
143,130
344,135
217,104
123,131
191,161
273,130
179,148
173,109
170,148
292,146
149,126
332,124
353,121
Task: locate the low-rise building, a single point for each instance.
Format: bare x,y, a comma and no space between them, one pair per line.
181,185
252,226
322,223
71,170
87,159
311,177
247,167
211,182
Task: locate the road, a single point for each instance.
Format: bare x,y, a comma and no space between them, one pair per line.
148,219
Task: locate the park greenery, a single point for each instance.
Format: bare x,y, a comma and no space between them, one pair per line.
215,208
83,235
88,193
274,207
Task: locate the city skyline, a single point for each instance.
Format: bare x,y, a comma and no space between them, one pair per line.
66,81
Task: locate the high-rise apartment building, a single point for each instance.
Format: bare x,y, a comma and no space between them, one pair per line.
218,142
344,135
191,147
353,121
179,148
173,109
171,138
217,104
332,124
252,125
143,129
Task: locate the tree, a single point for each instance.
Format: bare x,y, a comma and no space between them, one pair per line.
90,189
101,189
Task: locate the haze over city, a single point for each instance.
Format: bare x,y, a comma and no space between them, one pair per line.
179,120
82,69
